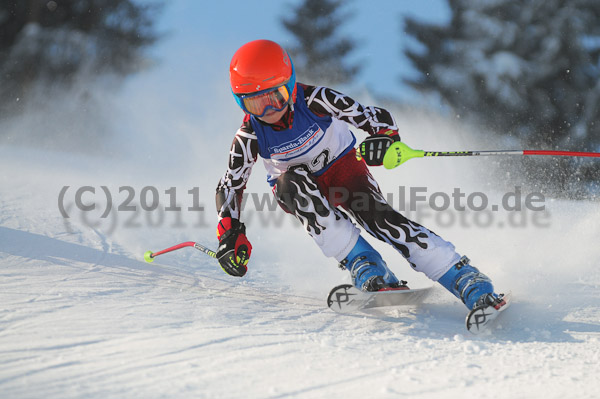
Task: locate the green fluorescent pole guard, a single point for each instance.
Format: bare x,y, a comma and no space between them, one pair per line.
398,153
148,257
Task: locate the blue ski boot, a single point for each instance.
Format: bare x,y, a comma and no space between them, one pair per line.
368,270
468,284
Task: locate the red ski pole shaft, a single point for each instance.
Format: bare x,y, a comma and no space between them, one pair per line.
149,255
562,153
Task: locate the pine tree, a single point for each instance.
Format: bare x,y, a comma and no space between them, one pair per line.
527,70
320,51
51,42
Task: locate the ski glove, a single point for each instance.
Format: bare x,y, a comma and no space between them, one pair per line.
374,148
234,249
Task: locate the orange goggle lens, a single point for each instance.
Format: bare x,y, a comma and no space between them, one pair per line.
258,104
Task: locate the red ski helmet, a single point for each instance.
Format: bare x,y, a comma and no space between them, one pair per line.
259,66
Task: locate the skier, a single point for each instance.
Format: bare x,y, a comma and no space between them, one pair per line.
302,134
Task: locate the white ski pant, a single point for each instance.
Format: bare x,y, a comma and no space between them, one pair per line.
348,183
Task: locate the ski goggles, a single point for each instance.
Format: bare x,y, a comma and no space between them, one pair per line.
259,103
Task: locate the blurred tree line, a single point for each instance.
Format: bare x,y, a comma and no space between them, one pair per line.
320,51
54,42
527,73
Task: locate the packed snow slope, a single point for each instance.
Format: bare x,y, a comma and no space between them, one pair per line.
83,316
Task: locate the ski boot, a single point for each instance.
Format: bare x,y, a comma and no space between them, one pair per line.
469,285
368,270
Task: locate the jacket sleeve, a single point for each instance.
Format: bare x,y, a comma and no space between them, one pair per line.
242,156
325,101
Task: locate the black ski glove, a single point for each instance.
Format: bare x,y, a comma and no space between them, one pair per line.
374,147
234,249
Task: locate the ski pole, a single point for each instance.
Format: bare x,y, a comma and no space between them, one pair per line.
401,153
149,255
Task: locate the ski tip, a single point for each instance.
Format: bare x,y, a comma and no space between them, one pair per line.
148,257
340,295
481,318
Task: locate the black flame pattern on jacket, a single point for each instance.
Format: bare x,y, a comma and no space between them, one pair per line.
325,101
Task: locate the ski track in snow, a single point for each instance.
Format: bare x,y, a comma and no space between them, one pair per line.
83,316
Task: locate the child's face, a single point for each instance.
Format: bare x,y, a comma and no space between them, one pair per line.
273,116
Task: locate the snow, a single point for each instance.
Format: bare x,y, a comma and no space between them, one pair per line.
83,316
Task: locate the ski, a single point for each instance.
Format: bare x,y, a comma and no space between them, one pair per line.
346,298
482,317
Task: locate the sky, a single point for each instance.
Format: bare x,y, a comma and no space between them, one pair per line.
188,91
201,37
